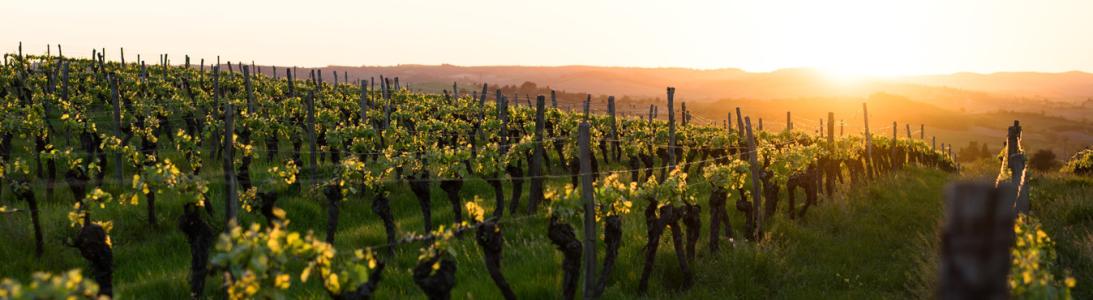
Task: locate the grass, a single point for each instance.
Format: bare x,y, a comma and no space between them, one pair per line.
877,241
1064,206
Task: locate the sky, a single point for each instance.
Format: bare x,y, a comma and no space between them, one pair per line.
847,37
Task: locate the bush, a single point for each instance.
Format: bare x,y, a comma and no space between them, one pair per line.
1081,163
1043,161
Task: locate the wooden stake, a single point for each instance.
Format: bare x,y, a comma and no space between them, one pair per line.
589,212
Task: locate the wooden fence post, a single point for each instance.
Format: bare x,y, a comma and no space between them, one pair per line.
922,132
115,95
313,162
671,129
976,241
614,128
789,122
231,205
755,173
1016,160
908,125
536,168
870,168
589,212
363,101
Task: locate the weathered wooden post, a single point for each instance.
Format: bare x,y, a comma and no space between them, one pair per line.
671,129
115,95
976,241
553,100
922,132
754,172
363,101
231,204
536,168
250,90
728,122
615,147
870,168
908,125
313,163
789,122
832,170
1015,158
589,212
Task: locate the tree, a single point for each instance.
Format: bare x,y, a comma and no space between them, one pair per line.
1043,160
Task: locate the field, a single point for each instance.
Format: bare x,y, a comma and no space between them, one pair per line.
131,171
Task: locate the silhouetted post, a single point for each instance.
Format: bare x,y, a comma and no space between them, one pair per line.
922,132
363,101
313,162
755,173
231,204
760,124
789,122
842,125
821,131
536,168
976,241
870,168
671,129
908,125
933,143
614,127
1016,160
250,90
833,169
553,100
589,212
115,95
728,122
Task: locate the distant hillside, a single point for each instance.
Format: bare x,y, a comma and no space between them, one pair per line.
716,84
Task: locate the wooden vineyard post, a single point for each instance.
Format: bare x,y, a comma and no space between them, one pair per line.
754,173
728,122
760,124
833,169
231,205
870,168
1016,160
536,168
115,95
908,125
922,132
363,101
553,100
614,128
789,122
842,127
589,212
313,163
250,90
671,130
976,241
587,104
821,131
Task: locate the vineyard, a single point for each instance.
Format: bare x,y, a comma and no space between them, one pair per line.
258,186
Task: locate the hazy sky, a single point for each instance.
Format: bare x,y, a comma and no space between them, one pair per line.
849,37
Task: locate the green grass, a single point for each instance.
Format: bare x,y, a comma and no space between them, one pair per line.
877,241
1064,204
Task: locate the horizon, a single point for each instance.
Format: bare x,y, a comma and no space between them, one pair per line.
849,38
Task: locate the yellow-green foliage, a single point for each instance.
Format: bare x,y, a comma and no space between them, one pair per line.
1081,163
1033,274
67,285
